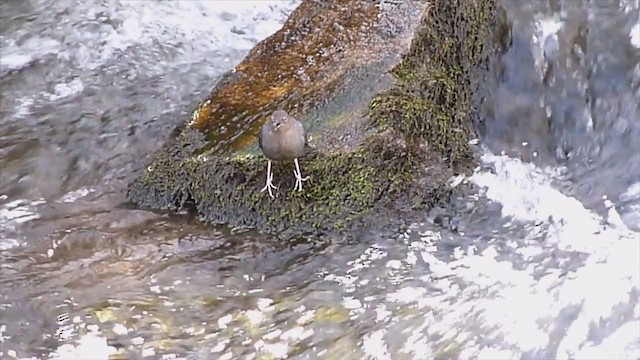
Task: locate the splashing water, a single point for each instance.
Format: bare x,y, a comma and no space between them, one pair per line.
540,261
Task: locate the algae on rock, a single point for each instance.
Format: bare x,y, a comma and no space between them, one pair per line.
418,134
433,99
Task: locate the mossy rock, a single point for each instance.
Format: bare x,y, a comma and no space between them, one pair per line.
411,135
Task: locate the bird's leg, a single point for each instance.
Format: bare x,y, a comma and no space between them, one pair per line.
269,184
299,178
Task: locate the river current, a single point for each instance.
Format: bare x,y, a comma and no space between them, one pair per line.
541,262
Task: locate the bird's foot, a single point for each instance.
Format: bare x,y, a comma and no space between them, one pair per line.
299,180
269,186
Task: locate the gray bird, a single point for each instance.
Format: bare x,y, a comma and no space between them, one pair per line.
282,138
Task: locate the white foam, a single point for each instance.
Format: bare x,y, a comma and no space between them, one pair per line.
15,61
23,109
76,194
217,33
63,90
90,346
634,35
622,344
375,347
19,211
16,56
517,309
610,271
545,40
191,26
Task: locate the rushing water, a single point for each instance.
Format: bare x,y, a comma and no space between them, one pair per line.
543,261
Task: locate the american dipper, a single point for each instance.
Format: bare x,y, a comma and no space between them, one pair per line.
282,137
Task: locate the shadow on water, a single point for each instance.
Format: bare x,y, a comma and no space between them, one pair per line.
75,260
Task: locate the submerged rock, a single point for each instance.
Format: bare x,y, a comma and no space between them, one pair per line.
387,92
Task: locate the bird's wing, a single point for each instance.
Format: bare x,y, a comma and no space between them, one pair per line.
260,139
304,133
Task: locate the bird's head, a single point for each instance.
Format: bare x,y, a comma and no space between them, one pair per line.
279,118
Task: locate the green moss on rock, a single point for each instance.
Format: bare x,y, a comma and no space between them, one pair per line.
422,129
342,186
433,99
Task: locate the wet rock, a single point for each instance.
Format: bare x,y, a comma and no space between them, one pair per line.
387,92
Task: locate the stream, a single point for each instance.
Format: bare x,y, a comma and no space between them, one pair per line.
542,261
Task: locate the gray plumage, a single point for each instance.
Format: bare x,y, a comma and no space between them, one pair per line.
282,138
